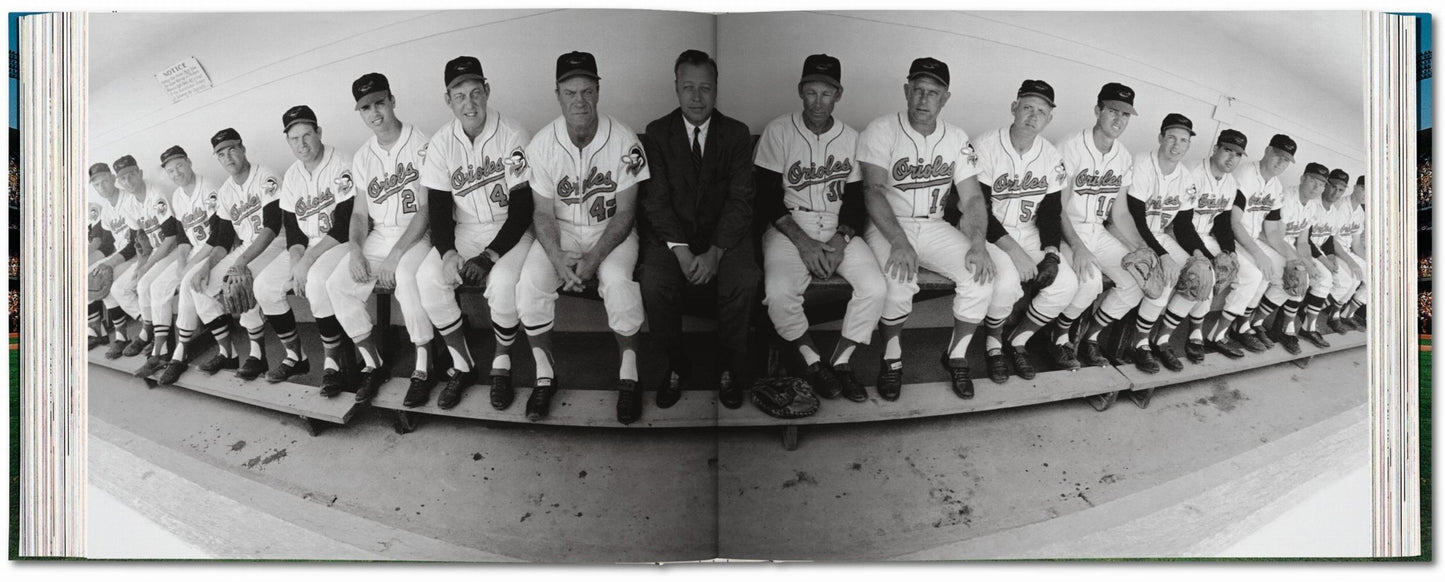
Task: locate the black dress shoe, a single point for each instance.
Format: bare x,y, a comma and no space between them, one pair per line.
220,362
457,383
502,392
251,369
1263,338
1315,338
539,404
671,391
1226,347
997,367
1247,340
848,383
1063,356
960,379
1145,361
333,382
629,402
151,365
1194,351
418,392
1090,355
1168,358
1020,361
820,376
287,369
890,379
728,390
171,372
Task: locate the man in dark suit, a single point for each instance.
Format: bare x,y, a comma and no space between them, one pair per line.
696,226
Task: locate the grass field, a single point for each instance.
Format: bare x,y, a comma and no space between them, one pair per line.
1426,474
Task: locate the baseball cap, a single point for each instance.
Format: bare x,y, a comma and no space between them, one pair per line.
1037,88
461,69
823,68
1317,170
1360,180
1178,120
172,153
929,67
123,162
1284,144
295,115
1118,95
1341,175
98,168
369,88
1232,140
225,138
576,63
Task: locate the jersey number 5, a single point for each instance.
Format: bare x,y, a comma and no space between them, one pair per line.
1026,211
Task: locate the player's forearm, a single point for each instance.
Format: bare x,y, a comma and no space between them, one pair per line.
549,235
790,229
263,240
413,233
1274,237
359,226
1241,236
882,215
618,227
974,223
322,245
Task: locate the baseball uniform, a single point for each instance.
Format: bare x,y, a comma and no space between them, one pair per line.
1355,229
1261,200
1213,204
1296,218
194,212
390,180
1165,195
312,196
1094,181
581,185
815,168
113,218
242,205
1327,224
154,217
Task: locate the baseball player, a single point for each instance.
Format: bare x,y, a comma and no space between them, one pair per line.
241,237
149,212
909,162
480,204
585,171
316,201
1333,215
1099,169
1257,229
102,243
1355,239
113,245
1300,210
387,243
1022,176
1214,177
810,189
193,207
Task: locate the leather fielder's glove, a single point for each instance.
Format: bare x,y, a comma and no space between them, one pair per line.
1296,277
784,397
476,269
1148,272
1226,272
237,295
100,280
1048,270
1196,279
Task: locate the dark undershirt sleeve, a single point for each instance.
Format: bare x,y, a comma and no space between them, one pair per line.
519,217
222,233
995,229
1138,212
854,213
1186,235
769,188
341,221
271,217
294,236
441,221
1223,231
1051,220
128,252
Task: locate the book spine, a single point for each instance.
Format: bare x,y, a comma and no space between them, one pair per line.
14,262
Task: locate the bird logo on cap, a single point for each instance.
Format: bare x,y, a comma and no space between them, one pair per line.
1126,93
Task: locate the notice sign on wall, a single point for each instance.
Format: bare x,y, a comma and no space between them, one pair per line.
184,79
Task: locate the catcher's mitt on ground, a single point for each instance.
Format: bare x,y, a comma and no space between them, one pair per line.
784,397
1048,270
237,296
100,279
1196,279
1296,277
1226,272
1146,269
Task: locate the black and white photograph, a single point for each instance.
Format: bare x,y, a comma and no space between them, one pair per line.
573,285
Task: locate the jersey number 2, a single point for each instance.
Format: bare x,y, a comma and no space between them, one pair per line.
408,201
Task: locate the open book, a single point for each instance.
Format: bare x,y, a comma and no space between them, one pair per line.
639,286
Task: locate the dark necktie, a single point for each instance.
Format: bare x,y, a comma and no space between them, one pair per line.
696,147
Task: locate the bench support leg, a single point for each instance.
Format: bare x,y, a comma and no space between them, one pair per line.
406,421
1102,402
313,426
1302,362
1141,398
790,437
150,382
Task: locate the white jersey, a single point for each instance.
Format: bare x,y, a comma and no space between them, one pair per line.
1164,195
1293,215
243,204
1261,196
148,214
815,168
1096,177
195,210
112,216
92,209
920,168
582,183
480,173
390,177
313,196
1356,226
1018,182
1216,196
1327,222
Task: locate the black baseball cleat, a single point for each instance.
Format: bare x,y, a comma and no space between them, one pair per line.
96,341
115,350
539,404
848,383
1315,338
1247,340
997,367
333,382
1351,324
729,392
959,378
1063,356
502,393
458,382
1090,355
1020,361
136,347
1263,337
1333,325
1194,351
1167,358
1145,361
418,392
251,369
171,372
820,376
890,379
150,366
671,391
1290,344
1226,347
1359,319
369,384
287,370
629,401
219,362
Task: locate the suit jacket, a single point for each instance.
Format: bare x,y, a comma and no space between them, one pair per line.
701,206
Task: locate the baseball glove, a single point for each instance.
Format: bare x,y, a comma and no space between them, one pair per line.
1196,279
237,296
784,397
1296,277
1147,271
476,269
1048,270
1226,272
100,280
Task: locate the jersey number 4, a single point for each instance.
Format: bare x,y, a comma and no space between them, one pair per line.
499,196
602,208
